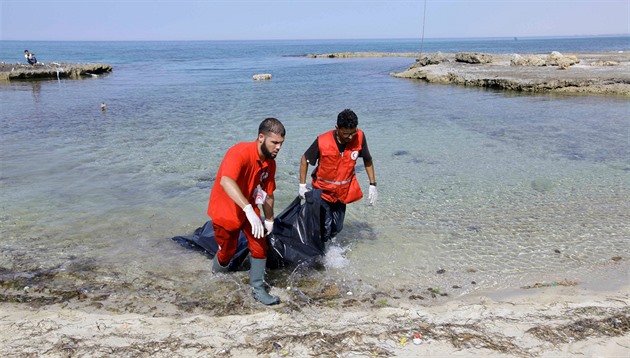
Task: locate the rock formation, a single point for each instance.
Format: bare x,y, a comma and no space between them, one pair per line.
590,73
51,70
473,57
261,77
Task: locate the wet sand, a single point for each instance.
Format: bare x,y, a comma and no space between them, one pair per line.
568,319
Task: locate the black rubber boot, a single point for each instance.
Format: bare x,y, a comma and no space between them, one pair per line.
257,281
216,266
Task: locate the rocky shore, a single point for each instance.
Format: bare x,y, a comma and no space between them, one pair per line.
588,73
51,70
602,73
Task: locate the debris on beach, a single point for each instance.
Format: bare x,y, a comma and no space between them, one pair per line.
614,325
566,283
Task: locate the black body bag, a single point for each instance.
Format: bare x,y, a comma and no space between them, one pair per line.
295,238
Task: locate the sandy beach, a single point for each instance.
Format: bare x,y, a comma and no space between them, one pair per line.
563,319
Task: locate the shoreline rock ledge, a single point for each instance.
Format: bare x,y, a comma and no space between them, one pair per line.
51,70
601,73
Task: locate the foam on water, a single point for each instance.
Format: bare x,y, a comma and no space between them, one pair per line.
335,258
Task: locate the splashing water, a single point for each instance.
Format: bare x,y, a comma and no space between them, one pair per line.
335,258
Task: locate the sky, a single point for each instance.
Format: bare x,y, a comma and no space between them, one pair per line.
130,20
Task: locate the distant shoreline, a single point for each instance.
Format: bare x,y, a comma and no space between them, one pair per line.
589,73
601,73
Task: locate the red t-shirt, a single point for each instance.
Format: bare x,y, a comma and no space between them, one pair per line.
242,164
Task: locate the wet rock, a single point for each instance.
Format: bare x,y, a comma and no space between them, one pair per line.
558,59
473,57
52,70
431,59
262,77
555,58
532,73
530,60
542,185
605,63
474,228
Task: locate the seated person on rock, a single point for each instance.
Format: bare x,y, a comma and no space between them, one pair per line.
30,57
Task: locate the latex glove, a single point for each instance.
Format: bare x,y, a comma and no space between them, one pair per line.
372,195
302,190
269,226
257,227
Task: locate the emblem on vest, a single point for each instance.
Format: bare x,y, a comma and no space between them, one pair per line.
354,155
263,176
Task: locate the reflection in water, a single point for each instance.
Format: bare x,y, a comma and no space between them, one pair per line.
36,88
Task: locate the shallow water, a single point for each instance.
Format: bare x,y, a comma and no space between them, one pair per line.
503,189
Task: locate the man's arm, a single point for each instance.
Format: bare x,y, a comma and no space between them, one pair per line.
268,207
369,169
234,192
303,169
373,193
231,188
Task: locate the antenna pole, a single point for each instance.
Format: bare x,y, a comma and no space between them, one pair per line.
424,16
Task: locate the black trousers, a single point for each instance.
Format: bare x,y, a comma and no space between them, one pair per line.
332,216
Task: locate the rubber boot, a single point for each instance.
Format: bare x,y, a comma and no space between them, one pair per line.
216,266
257,281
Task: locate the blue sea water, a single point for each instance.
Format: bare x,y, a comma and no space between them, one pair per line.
500,188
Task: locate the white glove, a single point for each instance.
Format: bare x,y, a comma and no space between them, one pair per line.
372,195
257,227
269,226
302,190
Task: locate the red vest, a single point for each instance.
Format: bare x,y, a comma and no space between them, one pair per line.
335,172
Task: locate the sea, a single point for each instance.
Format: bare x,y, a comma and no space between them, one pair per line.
478,189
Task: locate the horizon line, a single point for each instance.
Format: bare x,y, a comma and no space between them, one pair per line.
340,39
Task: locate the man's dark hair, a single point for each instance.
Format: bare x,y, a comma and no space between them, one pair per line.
347,119
271,125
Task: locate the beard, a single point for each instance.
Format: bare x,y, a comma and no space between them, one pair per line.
266,152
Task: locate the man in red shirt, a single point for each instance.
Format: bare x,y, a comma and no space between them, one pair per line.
246,179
